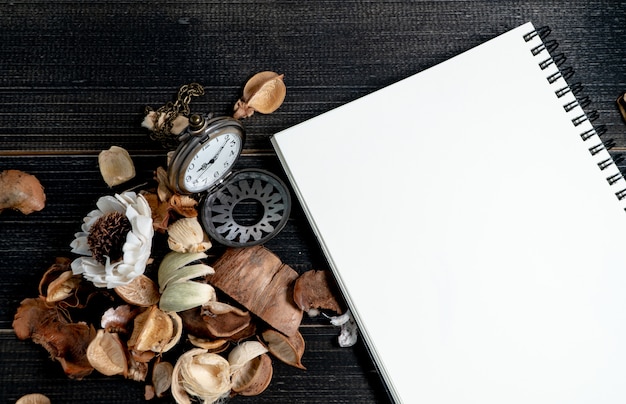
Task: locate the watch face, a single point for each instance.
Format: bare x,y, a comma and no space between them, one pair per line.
210,161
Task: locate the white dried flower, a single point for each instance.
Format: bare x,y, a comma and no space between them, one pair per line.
99,241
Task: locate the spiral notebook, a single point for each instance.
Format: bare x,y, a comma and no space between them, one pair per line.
474,220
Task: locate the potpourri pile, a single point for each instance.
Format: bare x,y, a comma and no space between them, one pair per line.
139,300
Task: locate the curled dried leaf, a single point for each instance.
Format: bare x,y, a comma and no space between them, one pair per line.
107,354
116,166
141,291
187,236
200,374
263,93
21,191
34,398
287,349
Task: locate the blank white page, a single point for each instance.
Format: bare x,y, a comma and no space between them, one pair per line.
479,245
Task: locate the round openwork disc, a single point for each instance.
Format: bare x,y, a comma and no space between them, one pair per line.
249,208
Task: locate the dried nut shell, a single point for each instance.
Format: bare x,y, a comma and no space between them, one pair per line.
200,374
21,191
264,93
254,377
34,398
141,291
117,319
162,377
116,166
287,349
107,354
153,330
186,235
186,295
244,353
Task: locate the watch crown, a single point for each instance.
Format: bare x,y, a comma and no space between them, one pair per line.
196,121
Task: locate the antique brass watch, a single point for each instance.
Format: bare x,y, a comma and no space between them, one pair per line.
237,209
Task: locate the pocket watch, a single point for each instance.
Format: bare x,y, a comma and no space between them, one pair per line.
208,149
237,209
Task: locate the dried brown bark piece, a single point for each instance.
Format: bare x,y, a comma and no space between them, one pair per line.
258,280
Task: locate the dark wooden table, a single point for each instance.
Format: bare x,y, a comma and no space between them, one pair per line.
75,78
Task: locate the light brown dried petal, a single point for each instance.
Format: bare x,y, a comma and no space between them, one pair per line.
21,191
107,354
211,345
162,377
141,291
116,166
287,349
34,398
264,93
254,377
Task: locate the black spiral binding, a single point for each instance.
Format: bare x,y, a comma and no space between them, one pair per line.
579,102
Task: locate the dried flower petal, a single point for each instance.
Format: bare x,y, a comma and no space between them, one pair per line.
116,166
173,262
117,319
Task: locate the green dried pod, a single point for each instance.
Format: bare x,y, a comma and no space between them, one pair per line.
186,295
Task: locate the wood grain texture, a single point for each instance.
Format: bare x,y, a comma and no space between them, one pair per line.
75,78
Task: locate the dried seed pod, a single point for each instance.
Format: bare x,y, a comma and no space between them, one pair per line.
621,105
186,235
254,377
223,320
162,377
21,191
116,166
153,331
141,291
62,287
200,374
244,353
264,93
34,398
156,121
107,354
184,205
287,349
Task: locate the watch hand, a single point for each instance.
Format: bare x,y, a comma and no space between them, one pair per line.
209,163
